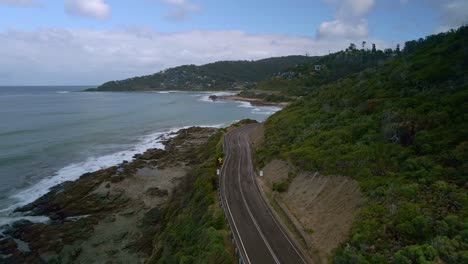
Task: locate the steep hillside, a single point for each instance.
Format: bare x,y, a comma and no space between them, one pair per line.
400,130
300,80
214,76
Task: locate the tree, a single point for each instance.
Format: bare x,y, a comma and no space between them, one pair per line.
352,47
388,52
373,48
364,44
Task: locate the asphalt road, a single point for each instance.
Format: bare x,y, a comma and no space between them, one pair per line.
260,237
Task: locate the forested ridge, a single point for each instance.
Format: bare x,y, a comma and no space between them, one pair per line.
301,79
398,126
222,75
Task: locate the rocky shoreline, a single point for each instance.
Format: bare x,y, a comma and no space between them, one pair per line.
107,215
253,101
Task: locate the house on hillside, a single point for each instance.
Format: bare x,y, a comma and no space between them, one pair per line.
286,75
318,67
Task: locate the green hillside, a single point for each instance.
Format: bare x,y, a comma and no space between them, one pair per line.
301,79
221,75
400,128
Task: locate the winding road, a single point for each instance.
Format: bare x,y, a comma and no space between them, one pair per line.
259,236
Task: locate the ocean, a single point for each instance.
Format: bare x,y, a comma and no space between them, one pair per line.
49,135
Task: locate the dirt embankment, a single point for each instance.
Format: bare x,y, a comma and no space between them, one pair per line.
319,208
108,216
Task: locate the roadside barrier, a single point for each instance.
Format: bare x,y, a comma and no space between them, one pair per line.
234,241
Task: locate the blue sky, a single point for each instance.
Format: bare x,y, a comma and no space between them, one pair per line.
92,41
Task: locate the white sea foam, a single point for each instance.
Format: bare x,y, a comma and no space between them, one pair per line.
259,110
6,220
63,92
245,104
206,96
75,170
266,110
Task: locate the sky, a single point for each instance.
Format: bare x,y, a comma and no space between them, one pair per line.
88,42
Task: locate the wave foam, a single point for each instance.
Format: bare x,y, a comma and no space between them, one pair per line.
206,96
245,104
75,170
11,219
259,110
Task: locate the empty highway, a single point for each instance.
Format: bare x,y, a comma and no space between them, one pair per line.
259,235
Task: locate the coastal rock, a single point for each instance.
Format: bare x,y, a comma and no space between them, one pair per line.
8,246
117,178
152,154
156,192
152,216
21,223
114,202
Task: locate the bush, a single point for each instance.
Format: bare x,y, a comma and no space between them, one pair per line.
399,129
281,186
416,254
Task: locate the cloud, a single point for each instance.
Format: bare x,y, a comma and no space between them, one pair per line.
21,3
454,13
83,56
88,8
182,9
351,9
343,29
349,19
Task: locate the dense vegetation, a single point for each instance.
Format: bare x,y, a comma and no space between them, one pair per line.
193,227
399,127
302,79
214,76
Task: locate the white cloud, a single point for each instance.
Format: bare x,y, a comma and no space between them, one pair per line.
72,56
355,8
89,8
182,9
454,12
343,29
21,3
174,2
349,20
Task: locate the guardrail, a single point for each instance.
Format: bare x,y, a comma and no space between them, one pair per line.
235,242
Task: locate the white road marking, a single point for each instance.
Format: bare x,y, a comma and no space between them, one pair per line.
250,212
248,208
229,210
274,218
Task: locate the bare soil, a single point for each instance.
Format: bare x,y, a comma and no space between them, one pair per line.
322,208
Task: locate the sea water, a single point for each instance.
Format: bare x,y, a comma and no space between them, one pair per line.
49,135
